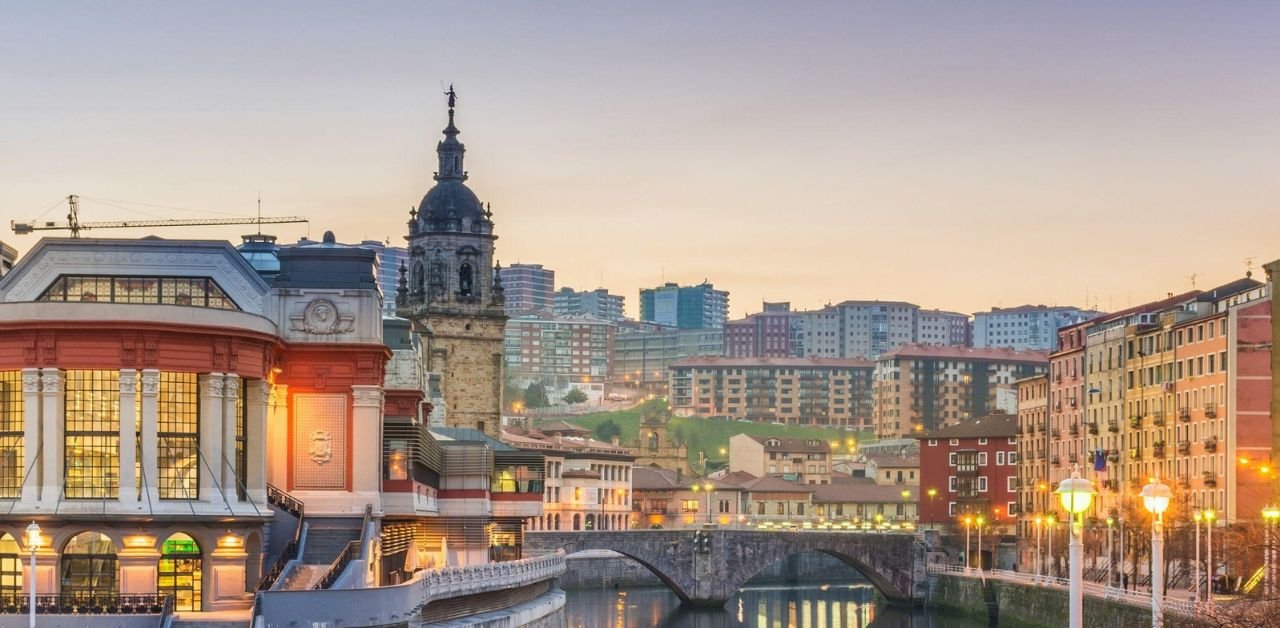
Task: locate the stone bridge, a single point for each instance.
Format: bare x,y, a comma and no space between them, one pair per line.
711,571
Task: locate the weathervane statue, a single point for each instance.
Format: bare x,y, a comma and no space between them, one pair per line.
453,96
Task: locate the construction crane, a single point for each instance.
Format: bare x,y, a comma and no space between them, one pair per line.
74,225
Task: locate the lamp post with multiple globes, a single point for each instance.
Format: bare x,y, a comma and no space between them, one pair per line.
1076,494
1155,497
34,541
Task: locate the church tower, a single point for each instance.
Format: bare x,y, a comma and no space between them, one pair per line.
451,290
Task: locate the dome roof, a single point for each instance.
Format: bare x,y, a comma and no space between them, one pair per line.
450,197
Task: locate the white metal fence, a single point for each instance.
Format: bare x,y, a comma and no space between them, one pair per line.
1093,589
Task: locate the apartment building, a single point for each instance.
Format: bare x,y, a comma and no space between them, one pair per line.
527,287
776,332
598,303
973,467
643,352
803,460
795,391
939,327
1033,458
923,388
1026,327
588,482
563,350
859,329
685,307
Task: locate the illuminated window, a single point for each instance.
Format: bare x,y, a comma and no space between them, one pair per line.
10,567
11,426
242,459
192,291
178,441
89,566
179,572
91,445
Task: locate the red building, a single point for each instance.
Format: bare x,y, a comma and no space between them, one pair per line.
768,334
970,468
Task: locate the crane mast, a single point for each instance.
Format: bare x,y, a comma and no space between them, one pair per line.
74,225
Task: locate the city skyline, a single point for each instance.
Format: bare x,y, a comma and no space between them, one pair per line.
1073,155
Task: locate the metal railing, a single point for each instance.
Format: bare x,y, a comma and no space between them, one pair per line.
297,508
1093,589
352,551
79,604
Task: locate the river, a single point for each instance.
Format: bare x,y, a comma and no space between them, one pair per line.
839,603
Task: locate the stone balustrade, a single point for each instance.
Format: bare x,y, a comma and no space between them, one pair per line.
400,603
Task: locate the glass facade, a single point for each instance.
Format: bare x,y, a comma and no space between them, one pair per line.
89,566
178,433
192,291
11,427
179,572
92,439
10,567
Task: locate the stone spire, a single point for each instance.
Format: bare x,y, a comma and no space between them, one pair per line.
450,150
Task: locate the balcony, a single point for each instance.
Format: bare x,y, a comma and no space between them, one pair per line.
1113,425
1073,458
1135,453
1184,415
1184,482
1184,447
1211,410
1073,429
1159,450
1056,461
1158,421
1092,426
1055,433
1135,421
1210,480
1111,485
1211,444
1113,455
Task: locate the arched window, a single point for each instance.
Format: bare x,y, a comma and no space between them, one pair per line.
10,567
465,277
653,440
436,277
415,281
591,522
89,566
577,521
557,521
180,572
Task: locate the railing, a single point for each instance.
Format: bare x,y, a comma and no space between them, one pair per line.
290,552
78,604
1094,589
353,551
166,612
297,508
284,501
1211,444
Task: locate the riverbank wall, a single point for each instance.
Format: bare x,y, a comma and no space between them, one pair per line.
1019,605
595,569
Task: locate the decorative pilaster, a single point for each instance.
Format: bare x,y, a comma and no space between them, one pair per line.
366,435
230,395
256,402
150,439
278,436
210,437
128,436
53,405
31,469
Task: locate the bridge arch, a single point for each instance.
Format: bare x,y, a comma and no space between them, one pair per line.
882,584
667,580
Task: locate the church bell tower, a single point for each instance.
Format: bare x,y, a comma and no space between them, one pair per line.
450,288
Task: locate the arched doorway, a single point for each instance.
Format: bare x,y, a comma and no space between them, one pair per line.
89,566
180,572
10,567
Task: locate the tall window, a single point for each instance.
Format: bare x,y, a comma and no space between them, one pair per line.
242,460
91,445
11,424
177,431
192,291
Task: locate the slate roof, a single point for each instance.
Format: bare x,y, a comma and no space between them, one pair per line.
990,426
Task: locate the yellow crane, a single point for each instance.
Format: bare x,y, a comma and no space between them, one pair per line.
74,225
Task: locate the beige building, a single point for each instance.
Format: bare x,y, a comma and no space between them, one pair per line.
807,461
588,482
795,391
671,499
902,471
1033,463
924,388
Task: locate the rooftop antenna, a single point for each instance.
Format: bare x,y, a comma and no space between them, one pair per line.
259,212
1193,281
1248,267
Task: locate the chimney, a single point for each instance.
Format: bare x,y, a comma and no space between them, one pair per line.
679,475
615,440
559,438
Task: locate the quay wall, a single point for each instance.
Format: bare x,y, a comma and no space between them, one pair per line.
604,569
1026,606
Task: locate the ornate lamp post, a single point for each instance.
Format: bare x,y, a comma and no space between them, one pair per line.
1155,497
980,520
1110,557
34,541
1197,517
968,558
1209,517
933,495
1270,515
1076,493
1039,563
1049,522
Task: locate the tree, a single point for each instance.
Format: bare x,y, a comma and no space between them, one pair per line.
575,396
607,430
535,396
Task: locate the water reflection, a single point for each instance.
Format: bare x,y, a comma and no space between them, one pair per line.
846,604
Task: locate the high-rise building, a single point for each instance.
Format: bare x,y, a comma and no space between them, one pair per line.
923,388
859,329
559,350
939,327
528,287
598,303
452,291
1027,327
390,259
686,307
772,333
642,352
795,391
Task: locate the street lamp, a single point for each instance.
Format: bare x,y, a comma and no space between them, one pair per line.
1270,515
933,495
981,520
1155,497
1039,520
33,543
1110,556
1075,493
1209,517
707,488
1197,516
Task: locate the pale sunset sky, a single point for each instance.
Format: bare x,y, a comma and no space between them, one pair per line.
956,155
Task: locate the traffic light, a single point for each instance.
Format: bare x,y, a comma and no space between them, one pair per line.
702,542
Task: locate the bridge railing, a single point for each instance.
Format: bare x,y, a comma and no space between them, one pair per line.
1093,589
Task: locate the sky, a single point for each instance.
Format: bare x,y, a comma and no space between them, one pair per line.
956,155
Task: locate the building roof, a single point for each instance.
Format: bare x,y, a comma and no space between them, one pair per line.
563,443
728,362
854,303
990,426
947,352
447,435
658,479
816,445
858,490
892,461
1030,308
560,426
775,484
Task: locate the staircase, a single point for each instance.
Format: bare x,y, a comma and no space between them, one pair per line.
326,538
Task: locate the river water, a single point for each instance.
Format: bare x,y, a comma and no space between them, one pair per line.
838,603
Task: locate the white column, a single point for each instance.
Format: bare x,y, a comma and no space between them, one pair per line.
278,436
31,457
366,440
255,439
128,436
230,394
150,440
52,390
210,437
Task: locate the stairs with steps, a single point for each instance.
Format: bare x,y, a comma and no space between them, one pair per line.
326,538
303,577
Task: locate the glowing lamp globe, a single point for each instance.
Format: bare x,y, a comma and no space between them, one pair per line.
1076,493
1155,497
1271,513
34,540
